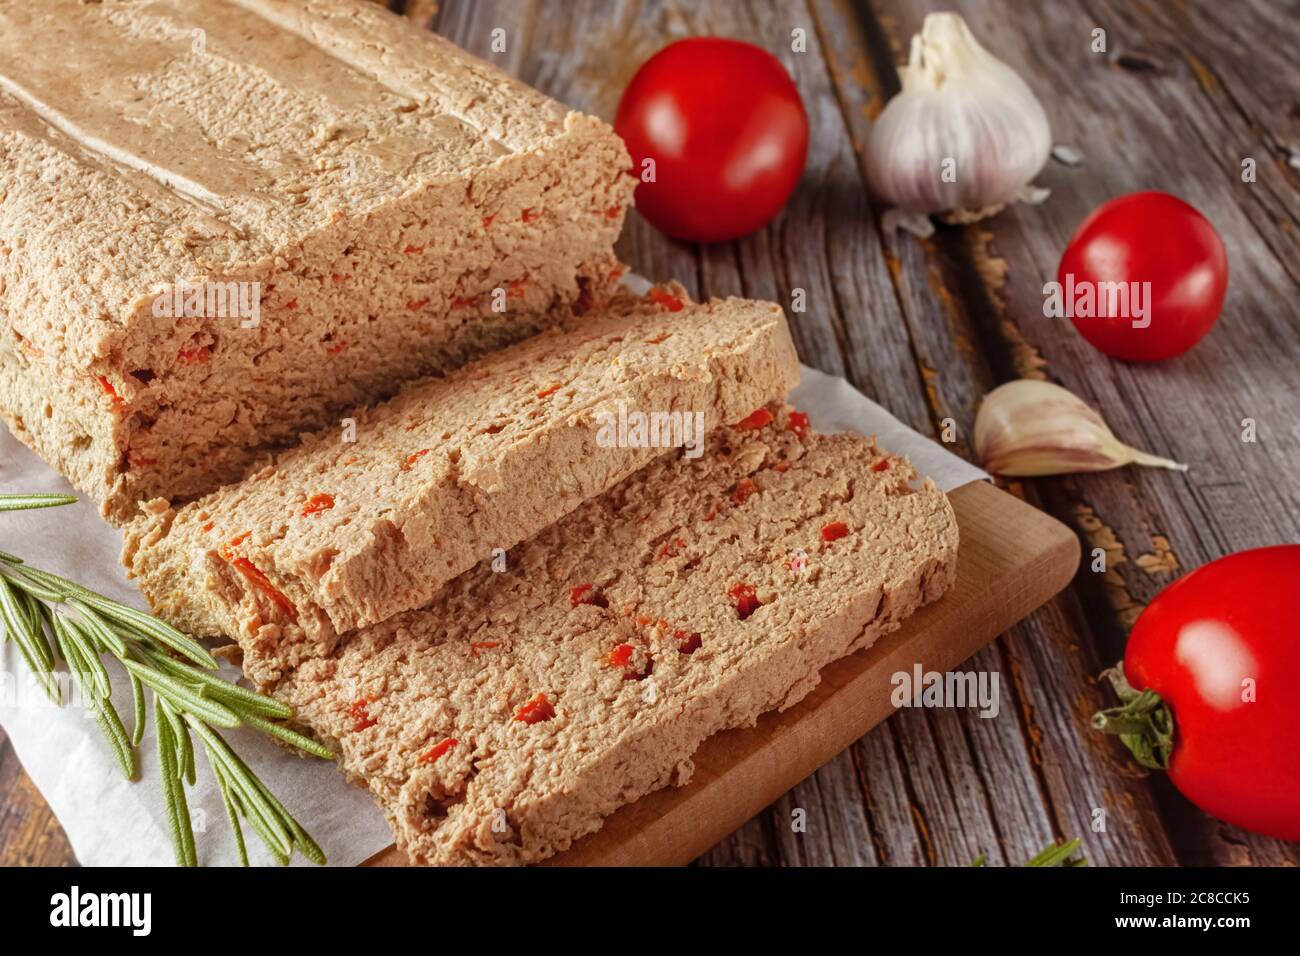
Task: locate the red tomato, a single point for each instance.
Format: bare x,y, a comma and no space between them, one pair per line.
726,130
1221,648
1148,238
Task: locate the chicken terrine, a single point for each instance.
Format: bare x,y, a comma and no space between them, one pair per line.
356,525
518,710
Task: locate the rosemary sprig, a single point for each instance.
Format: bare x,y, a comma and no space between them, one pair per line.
1059,855
36,500
44,613
1054,854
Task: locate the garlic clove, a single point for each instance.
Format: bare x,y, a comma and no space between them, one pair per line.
1029,428
964,136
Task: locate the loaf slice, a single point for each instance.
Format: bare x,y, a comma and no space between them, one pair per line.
338,534
223,223
517,710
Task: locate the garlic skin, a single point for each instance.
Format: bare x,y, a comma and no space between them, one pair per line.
963,115
1029,428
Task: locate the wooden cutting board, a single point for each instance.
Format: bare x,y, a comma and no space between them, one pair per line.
1012,559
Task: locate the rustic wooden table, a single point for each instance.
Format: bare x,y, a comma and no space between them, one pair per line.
1185,92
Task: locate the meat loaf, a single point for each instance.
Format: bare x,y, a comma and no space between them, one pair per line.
517,710
224,222
341,533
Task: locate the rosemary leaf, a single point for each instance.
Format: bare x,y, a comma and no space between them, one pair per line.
183,696
111,724
34,500
32,607
31,644
139,622
232,814
69,649
187,752
184,746
305,844
13,616
137,705
97,629
24,617
107,717
53,581
291,737
44,675
268,839
102,709
263,817
33,585
244,701
1054,855
136,622
178,811
71,642
239,699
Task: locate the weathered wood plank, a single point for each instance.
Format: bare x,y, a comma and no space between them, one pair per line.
828,805
1243,104
944,342
29,833
897,834
1133,123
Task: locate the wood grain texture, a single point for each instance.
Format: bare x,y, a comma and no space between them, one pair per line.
29,833
1182,95
1149,113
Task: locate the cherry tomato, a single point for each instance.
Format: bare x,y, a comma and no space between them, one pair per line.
1220,649
1154,238
726,130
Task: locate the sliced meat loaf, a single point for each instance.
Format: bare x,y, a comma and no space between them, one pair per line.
223,223
518,710
347,530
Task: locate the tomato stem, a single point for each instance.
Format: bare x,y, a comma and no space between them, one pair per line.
1143,721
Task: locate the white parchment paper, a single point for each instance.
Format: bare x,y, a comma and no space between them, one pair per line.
114,822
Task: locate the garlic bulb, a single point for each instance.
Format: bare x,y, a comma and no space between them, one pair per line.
964,136
1027,428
